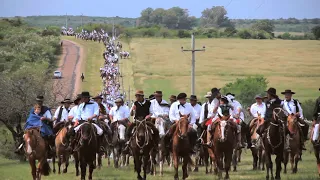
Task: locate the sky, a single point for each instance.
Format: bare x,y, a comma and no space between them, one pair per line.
237,9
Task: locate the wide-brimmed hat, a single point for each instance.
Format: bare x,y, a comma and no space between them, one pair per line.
182,96
287,91
215,92
225,99
230,94
173,97
258,97
118,100
140,92
272,91
231,97
158,93
67,100
209,94
193,98
77,99
39,98
85,94
97,97
151,97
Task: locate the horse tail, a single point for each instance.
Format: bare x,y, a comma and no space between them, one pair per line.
45,170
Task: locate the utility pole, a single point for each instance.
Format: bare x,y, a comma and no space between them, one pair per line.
81,20
193,50
67,21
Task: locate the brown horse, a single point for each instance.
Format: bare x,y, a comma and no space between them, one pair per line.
273,141
181,146
202,152
141,147
294,143
257,149
224,140
86,149
61,147
36,150
316,147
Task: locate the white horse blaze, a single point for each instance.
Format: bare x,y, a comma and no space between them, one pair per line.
29,149
160,127
315,135
122,130
222,127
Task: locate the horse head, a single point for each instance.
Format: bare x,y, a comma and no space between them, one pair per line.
223,129
87,131
160,125
142,133
279,115
183,126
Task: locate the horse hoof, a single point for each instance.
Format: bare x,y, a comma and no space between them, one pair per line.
54,171
65,171
267,178
285,172
195,170
272,178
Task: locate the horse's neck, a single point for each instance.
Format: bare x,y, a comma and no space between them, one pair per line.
293,126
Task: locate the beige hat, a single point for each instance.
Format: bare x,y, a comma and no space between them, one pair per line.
208,94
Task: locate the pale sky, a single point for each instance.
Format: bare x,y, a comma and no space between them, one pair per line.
242,9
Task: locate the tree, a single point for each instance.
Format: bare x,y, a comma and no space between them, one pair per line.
170,19
145,16
213,17
316,31
263,25
157,15
245,89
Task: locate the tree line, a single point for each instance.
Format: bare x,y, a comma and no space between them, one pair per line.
28,56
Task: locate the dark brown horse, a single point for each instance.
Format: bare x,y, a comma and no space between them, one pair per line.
36,149
224,141
202,154
273,141
257,149
294,143
86,149
181,146
141,147
61,144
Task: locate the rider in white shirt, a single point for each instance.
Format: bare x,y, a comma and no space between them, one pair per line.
196,106
159,106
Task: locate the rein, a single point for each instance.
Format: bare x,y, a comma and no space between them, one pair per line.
146,133
276,117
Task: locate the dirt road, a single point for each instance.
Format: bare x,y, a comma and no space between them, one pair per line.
70,66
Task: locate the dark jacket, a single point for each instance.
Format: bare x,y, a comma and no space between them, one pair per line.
316,109
270,106
142,110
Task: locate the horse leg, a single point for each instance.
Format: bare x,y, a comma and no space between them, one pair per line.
255,159
296,160
91,168
285,161
197,162
219,164
54,163
239,155
66,164
176,166
32,163
206,160
161,158
59,163
99,160
115,158
227,163
292,162
234,160
83,166
146,164
316,153
269,166
278,166
137,166
184,167
77,161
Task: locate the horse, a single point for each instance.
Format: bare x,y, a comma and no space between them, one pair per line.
36,149
181,146
316,146
163,126
106,145
202,154
257,149
86,150
141,147
224,135
118,144
61,147
273,141
294,144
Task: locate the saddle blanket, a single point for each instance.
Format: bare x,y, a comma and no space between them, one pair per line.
315,135
99,130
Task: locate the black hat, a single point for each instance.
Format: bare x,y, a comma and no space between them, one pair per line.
319,89
230,94
85,94
288,91
97,97
193,97
78,98
215,91
66,101
272,92
225,99
151,97
182,96
39,98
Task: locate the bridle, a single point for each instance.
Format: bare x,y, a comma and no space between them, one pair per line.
276,117
146,134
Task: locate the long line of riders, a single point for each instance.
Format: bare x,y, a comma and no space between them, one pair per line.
174,132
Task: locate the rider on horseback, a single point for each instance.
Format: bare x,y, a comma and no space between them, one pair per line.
141,109
293,108
178,108
87,111
316,121
160,107
120,114
61,115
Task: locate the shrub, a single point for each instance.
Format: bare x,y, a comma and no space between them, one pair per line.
244,34
230,31
308,107
286,35
183,34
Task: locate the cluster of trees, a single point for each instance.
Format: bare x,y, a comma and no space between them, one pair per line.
28,55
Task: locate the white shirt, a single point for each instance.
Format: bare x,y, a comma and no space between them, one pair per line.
73,112
197,110
255,109
159,110
88,111
186,110
215,102
120,114
47,115
202,118
290,107
236,108
64,115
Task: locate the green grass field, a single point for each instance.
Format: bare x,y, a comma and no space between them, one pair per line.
159,64
307,170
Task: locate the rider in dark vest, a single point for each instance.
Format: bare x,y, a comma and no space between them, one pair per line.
272,103
141,110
